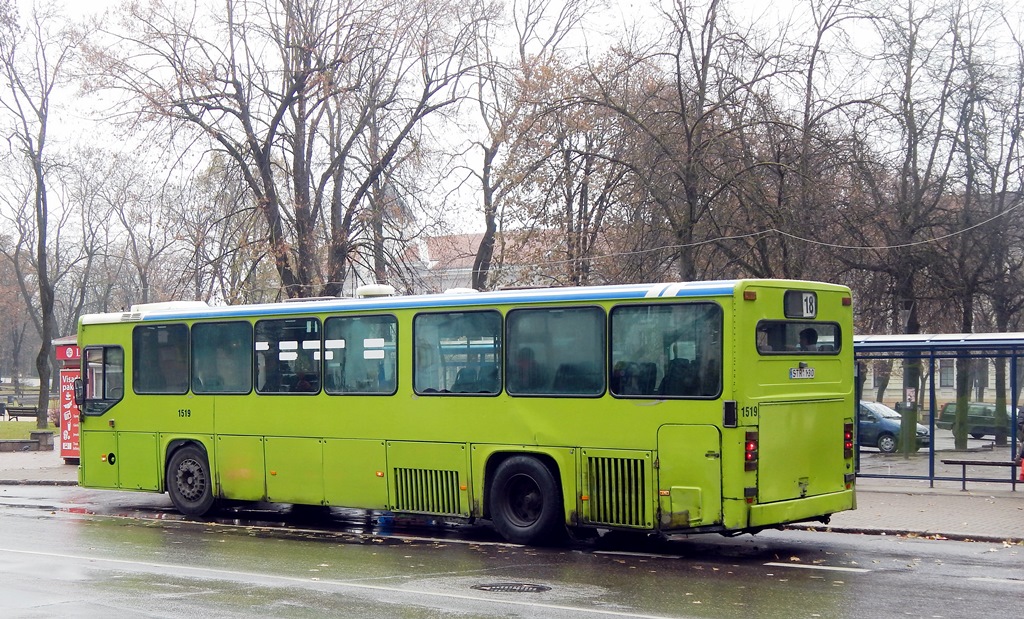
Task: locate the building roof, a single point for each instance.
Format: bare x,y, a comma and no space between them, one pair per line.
945,342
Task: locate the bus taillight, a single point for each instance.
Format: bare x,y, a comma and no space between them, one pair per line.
848,440
750,452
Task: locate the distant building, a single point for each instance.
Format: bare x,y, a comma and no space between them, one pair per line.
889,373
441,263
445,262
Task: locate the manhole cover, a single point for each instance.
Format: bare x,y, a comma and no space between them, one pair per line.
512,587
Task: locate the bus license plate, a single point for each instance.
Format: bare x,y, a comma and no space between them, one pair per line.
801,373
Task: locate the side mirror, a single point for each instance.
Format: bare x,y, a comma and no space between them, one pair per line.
79,392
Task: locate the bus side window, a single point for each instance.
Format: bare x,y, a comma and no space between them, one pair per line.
103,374
670,349
490,380
427,368
525,374
465,380
453,349
360,354
577,378
557,351
160,359
222,357
288,353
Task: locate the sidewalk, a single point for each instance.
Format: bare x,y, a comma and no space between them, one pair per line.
985,512
44,468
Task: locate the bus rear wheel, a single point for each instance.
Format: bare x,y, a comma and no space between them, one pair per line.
525,502
189,482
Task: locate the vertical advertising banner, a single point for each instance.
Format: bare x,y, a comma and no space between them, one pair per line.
68,415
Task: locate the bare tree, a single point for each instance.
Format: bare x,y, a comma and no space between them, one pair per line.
35,55
906,190
504,93
1006,187
288,91
793,160
16,321
987,187
699,77
581,182
225,239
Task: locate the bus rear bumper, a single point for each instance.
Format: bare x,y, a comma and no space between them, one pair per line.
806,508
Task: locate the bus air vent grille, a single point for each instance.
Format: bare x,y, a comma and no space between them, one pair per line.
618,490
427,490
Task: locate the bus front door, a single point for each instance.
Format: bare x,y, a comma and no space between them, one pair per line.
98,463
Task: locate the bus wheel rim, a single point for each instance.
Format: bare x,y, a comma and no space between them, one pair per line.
525,500
191,480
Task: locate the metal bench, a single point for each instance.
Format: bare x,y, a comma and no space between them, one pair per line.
965,463
14,412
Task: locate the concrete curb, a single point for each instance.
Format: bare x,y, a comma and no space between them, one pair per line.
37,482
930,535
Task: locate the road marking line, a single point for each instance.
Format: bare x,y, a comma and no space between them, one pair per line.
1001,581
167,569
830,568
643,555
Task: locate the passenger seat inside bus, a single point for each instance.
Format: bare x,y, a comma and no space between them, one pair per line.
488,382
681,378
465,381
632,378
579,378
305,383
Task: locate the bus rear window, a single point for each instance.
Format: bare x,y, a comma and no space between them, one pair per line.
797,337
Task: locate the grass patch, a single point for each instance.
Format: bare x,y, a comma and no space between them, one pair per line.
16,429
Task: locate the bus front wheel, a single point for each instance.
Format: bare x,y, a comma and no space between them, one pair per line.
189,482
525,502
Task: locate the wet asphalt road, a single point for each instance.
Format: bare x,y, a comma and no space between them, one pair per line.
74,552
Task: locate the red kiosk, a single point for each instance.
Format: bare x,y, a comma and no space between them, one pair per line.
69,358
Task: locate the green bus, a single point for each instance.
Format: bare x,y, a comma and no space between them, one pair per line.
722,406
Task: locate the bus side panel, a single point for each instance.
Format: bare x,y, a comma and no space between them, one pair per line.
96,468
619,487
354,473
240,467
137,456
430,478
690,469
182,414
295,470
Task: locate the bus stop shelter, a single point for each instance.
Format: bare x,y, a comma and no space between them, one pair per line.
921,377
